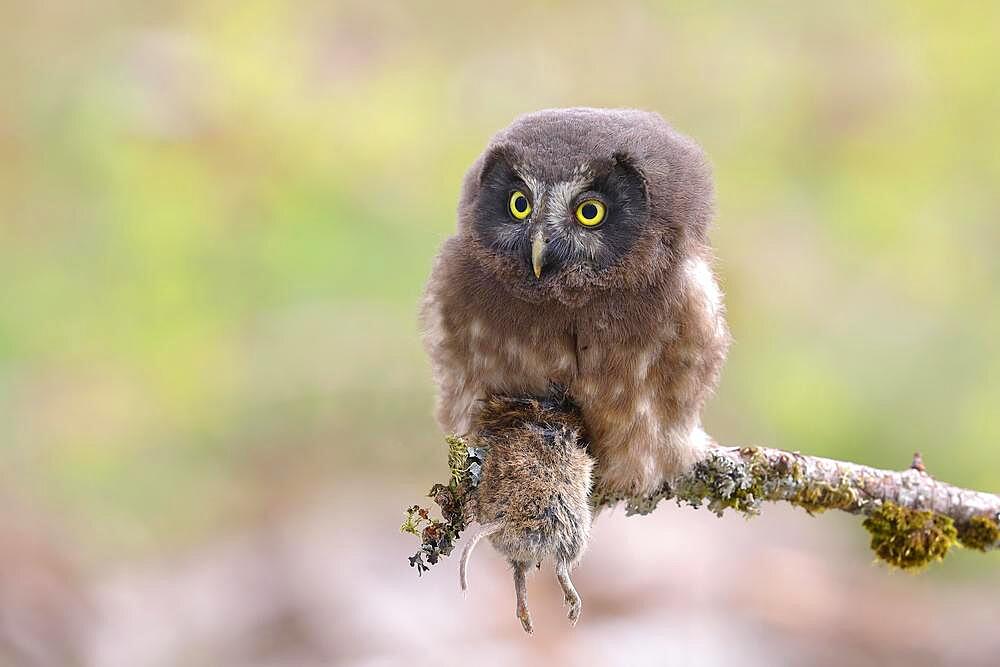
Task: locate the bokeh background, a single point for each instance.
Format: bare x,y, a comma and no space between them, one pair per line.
215,222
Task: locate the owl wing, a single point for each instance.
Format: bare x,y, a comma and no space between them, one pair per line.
642,399
447,347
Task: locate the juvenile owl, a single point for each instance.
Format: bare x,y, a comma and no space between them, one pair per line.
582,259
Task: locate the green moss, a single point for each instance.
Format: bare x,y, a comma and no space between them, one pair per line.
718,481
438,536
979,532
458,458
602,498
728,484
645,504
909,539
817,498
642,505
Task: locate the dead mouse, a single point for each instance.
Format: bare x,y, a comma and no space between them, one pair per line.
533,498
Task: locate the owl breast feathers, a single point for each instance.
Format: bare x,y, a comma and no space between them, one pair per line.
581,258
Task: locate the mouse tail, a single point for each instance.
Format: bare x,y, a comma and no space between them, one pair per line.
463,566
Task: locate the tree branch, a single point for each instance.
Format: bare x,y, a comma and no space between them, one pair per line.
913,518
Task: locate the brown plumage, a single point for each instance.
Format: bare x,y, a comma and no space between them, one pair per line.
533,494
626,314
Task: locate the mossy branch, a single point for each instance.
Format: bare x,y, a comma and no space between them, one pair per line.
913,518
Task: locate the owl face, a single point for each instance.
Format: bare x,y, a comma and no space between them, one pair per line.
568,202
565,218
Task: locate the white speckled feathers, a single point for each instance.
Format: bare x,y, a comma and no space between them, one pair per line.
639,341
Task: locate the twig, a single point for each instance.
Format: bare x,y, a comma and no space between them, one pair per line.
913,518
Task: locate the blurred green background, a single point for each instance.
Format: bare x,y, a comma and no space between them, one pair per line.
216,220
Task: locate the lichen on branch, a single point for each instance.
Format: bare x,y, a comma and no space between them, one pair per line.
438,536
913,518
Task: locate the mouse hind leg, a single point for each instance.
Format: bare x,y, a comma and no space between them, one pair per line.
520,590
569,591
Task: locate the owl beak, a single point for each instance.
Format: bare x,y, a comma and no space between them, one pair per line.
538,253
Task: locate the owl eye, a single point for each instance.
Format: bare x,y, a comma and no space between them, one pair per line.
591,212
519,205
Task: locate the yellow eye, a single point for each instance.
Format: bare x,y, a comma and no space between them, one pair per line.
590,212
519,205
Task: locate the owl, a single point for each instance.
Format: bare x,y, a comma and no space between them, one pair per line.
581,259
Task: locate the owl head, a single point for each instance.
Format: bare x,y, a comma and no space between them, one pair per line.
566,203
